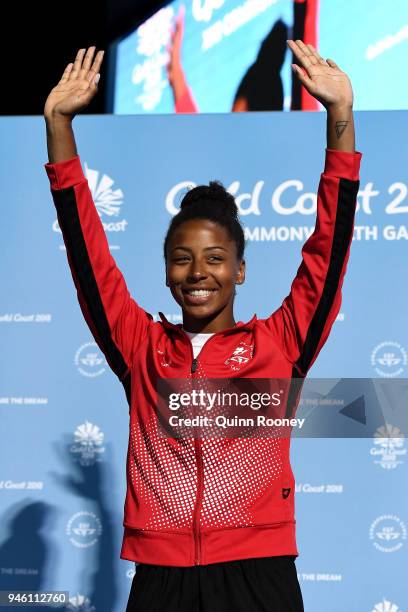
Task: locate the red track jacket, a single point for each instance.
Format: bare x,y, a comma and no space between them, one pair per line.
202,501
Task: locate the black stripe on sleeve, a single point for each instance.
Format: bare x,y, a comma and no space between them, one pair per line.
342,236
68,218
296,384
127,385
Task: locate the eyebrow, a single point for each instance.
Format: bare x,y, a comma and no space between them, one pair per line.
206,248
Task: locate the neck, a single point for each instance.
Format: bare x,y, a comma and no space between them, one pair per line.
208,325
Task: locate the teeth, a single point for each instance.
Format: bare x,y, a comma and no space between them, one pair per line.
200,292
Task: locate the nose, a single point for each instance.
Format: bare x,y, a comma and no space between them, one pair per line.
196,274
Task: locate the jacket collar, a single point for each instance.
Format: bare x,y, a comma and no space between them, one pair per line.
239,326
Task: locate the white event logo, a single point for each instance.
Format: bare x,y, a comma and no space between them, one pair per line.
388,533
385,606
389,359
80,603
89,360
287,199
88,445
108,201
389,446
84,529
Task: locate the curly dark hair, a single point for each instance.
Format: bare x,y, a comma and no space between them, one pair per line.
212,202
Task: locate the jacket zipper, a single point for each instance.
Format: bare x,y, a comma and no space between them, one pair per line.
197,507
199,459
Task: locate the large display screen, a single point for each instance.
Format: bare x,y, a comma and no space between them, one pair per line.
231,55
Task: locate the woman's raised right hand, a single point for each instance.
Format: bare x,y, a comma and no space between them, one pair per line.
77,86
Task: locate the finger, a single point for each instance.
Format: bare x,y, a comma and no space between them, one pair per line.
66,73
181,13
98,61
179,22
300,54
86,64
95,66
93,77
309,54
332,64
316,55
303,77
179,29
77,63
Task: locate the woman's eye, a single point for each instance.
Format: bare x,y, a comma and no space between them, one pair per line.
215,257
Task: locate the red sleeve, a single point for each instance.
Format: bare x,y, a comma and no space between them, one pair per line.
303,322
116,321
186,103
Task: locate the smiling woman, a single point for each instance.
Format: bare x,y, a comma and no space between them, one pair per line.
210,523
204,255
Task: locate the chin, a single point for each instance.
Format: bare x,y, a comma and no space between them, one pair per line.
202,312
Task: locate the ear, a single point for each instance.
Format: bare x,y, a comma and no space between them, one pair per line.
166,279
240,278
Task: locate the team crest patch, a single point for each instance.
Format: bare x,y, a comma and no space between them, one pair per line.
285,493
241,355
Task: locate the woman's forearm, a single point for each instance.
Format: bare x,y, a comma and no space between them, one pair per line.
340,128
60,139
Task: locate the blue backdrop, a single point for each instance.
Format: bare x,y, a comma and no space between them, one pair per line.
64,415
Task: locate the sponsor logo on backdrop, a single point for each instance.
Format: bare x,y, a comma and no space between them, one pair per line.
389,447
17,317
108,202
89,360
83,529
88,444
388,533
386,606
80,603
389,359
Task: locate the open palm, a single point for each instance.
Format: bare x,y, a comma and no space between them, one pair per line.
323,79
77,86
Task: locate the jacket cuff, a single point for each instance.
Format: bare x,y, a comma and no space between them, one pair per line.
65,173
343,164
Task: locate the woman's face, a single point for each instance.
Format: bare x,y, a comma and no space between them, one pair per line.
202,269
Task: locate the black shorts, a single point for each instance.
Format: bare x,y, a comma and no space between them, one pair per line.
267,584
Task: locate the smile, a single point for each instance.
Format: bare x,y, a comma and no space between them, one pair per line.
198,296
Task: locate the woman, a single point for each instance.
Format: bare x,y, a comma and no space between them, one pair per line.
209,521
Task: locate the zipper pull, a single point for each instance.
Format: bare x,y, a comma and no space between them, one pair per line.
193,366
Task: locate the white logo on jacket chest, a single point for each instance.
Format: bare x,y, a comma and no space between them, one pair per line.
163,362
241,355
